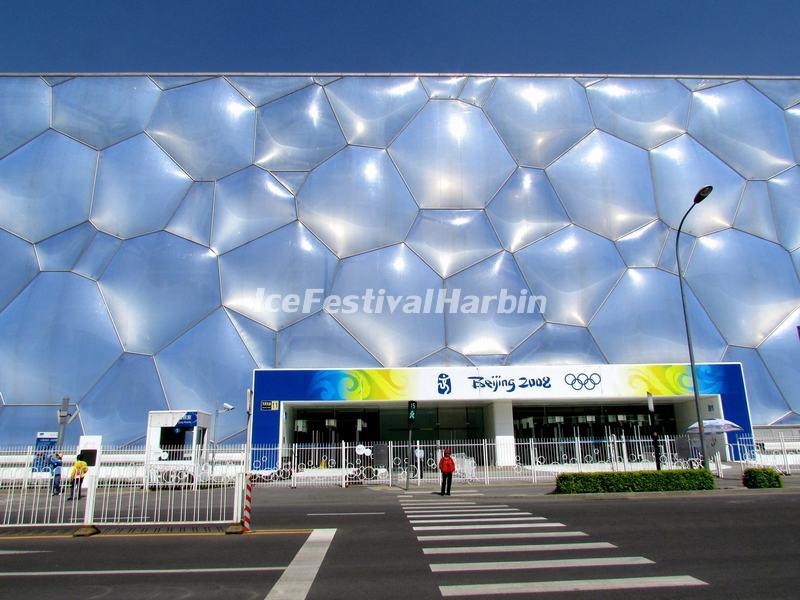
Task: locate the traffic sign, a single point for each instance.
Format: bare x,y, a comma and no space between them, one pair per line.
412,411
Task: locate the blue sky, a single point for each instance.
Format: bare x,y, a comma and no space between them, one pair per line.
539,36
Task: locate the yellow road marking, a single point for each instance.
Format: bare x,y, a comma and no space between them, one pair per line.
152,534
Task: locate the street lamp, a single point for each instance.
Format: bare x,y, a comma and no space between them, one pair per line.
217,410
701,195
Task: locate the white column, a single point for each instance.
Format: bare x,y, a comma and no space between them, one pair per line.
503,420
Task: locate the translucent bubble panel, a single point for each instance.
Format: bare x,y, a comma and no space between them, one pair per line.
19,424
373,110
680,168
605,185
451,157
784,92
510,317
103,110
207,366
668,260
785,193
321,342
781,354
356,201
645,112
56,340
297,132
59,252
755,211
574,269
444,87
643,247
539,118
557,345
24,110
743,127
249,204
46,186
477,89
94,260
117,406
192,220
450,240
207,127
138,188
396,337
260,90
642,321
526,209
444,358
793,123
765,400
261,279
156,287
747,285
170,82
259,340
19,266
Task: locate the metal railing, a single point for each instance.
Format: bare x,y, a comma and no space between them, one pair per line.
477,461
777,450
126,488
132,485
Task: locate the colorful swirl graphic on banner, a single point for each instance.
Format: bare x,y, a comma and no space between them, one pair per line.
361,384
660,380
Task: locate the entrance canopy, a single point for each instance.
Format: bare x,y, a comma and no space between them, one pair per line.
274,390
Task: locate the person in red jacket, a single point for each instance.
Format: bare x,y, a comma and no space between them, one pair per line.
447,467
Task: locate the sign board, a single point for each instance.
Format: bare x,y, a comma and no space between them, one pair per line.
581,384
188,420
45,446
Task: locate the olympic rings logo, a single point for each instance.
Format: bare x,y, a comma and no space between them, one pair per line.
582,381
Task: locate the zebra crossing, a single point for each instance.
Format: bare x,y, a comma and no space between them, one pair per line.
500,548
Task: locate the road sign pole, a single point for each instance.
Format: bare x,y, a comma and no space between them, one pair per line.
412,417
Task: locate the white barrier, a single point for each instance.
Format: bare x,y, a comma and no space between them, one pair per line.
126,489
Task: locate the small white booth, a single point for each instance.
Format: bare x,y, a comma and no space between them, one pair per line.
177,435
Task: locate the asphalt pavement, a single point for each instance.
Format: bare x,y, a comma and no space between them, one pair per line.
481,542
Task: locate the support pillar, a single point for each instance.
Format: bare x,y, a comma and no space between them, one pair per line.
502,414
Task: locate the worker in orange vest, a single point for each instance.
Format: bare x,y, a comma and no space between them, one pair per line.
447,467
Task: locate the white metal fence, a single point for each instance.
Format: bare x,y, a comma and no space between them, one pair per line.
778,450
129,487
126,488
477,461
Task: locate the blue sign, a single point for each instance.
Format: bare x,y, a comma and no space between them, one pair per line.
188,420
45,446
444,386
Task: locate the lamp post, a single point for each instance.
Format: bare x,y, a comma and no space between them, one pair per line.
217,410
701,195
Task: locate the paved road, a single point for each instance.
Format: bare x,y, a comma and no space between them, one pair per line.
486,544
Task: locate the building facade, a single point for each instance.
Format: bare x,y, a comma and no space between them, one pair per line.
163,236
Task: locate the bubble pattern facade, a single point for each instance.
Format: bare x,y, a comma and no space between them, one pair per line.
139,216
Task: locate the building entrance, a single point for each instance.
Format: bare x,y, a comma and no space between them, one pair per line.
597,421
333,425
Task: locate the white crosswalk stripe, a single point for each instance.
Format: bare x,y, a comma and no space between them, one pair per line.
499,513
483,529
479,519
518,548
457,508
565,563
500,536
484,526
579,585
